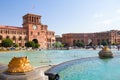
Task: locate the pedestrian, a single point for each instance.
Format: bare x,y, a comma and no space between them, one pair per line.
118,47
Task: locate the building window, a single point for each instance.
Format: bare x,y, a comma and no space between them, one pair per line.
6,31
20,44
14,38
82,41
41,27
31,33
24,32
32,19
38,33
53,34
7,37
118,33
20,38
1,31
0,37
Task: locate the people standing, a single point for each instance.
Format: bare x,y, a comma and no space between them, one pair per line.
118,47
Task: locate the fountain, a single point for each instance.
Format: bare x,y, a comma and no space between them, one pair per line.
105,53
19,68
19,65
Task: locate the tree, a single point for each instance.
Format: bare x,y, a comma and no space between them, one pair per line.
80,44
104,43
114,44
15,45
66,45
62,45
7,42
57,44
37,45
30,44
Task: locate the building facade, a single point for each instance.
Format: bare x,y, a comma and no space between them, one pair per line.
32,30
58,38
112,36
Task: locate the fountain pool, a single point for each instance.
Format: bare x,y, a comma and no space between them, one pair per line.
49,57
86,67
91,68
105,69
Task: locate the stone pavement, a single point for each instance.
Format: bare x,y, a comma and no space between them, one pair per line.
3,68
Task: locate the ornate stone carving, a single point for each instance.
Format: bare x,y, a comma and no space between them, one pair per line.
105,53
19,65
105,48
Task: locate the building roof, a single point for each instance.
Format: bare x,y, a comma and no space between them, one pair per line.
11,27
88,33
31,14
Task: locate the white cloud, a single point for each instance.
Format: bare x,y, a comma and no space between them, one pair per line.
107,22
98,15
118,11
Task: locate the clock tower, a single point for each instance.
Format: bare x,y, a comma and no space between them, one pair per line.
31,19
35,31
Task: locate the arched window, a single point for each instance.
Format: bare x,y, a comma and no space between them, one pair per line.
20,38
38,33
31,33
35,40
74,42
0,37
41,27
14,38
32,19
82,41
6,31
1,31
7,37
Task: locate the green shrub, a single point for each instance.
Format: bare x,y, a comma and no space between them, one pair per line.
7,43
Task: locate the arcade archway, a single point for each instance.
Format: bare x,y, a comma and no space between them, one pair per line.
35,40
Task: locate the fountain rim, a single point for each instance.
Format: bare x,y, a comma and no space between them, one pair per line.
53,71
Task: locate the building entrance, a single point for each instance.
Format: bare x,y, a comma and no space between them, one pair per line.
35,40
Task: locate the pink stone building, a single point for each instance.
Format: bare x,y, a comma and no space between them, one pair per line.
32,30
112,36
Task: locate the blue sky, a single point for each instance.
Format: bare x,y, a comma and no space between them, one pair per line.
64,16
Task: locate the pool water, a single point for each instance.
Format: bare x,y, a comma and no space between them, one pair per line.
49,57
95,69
